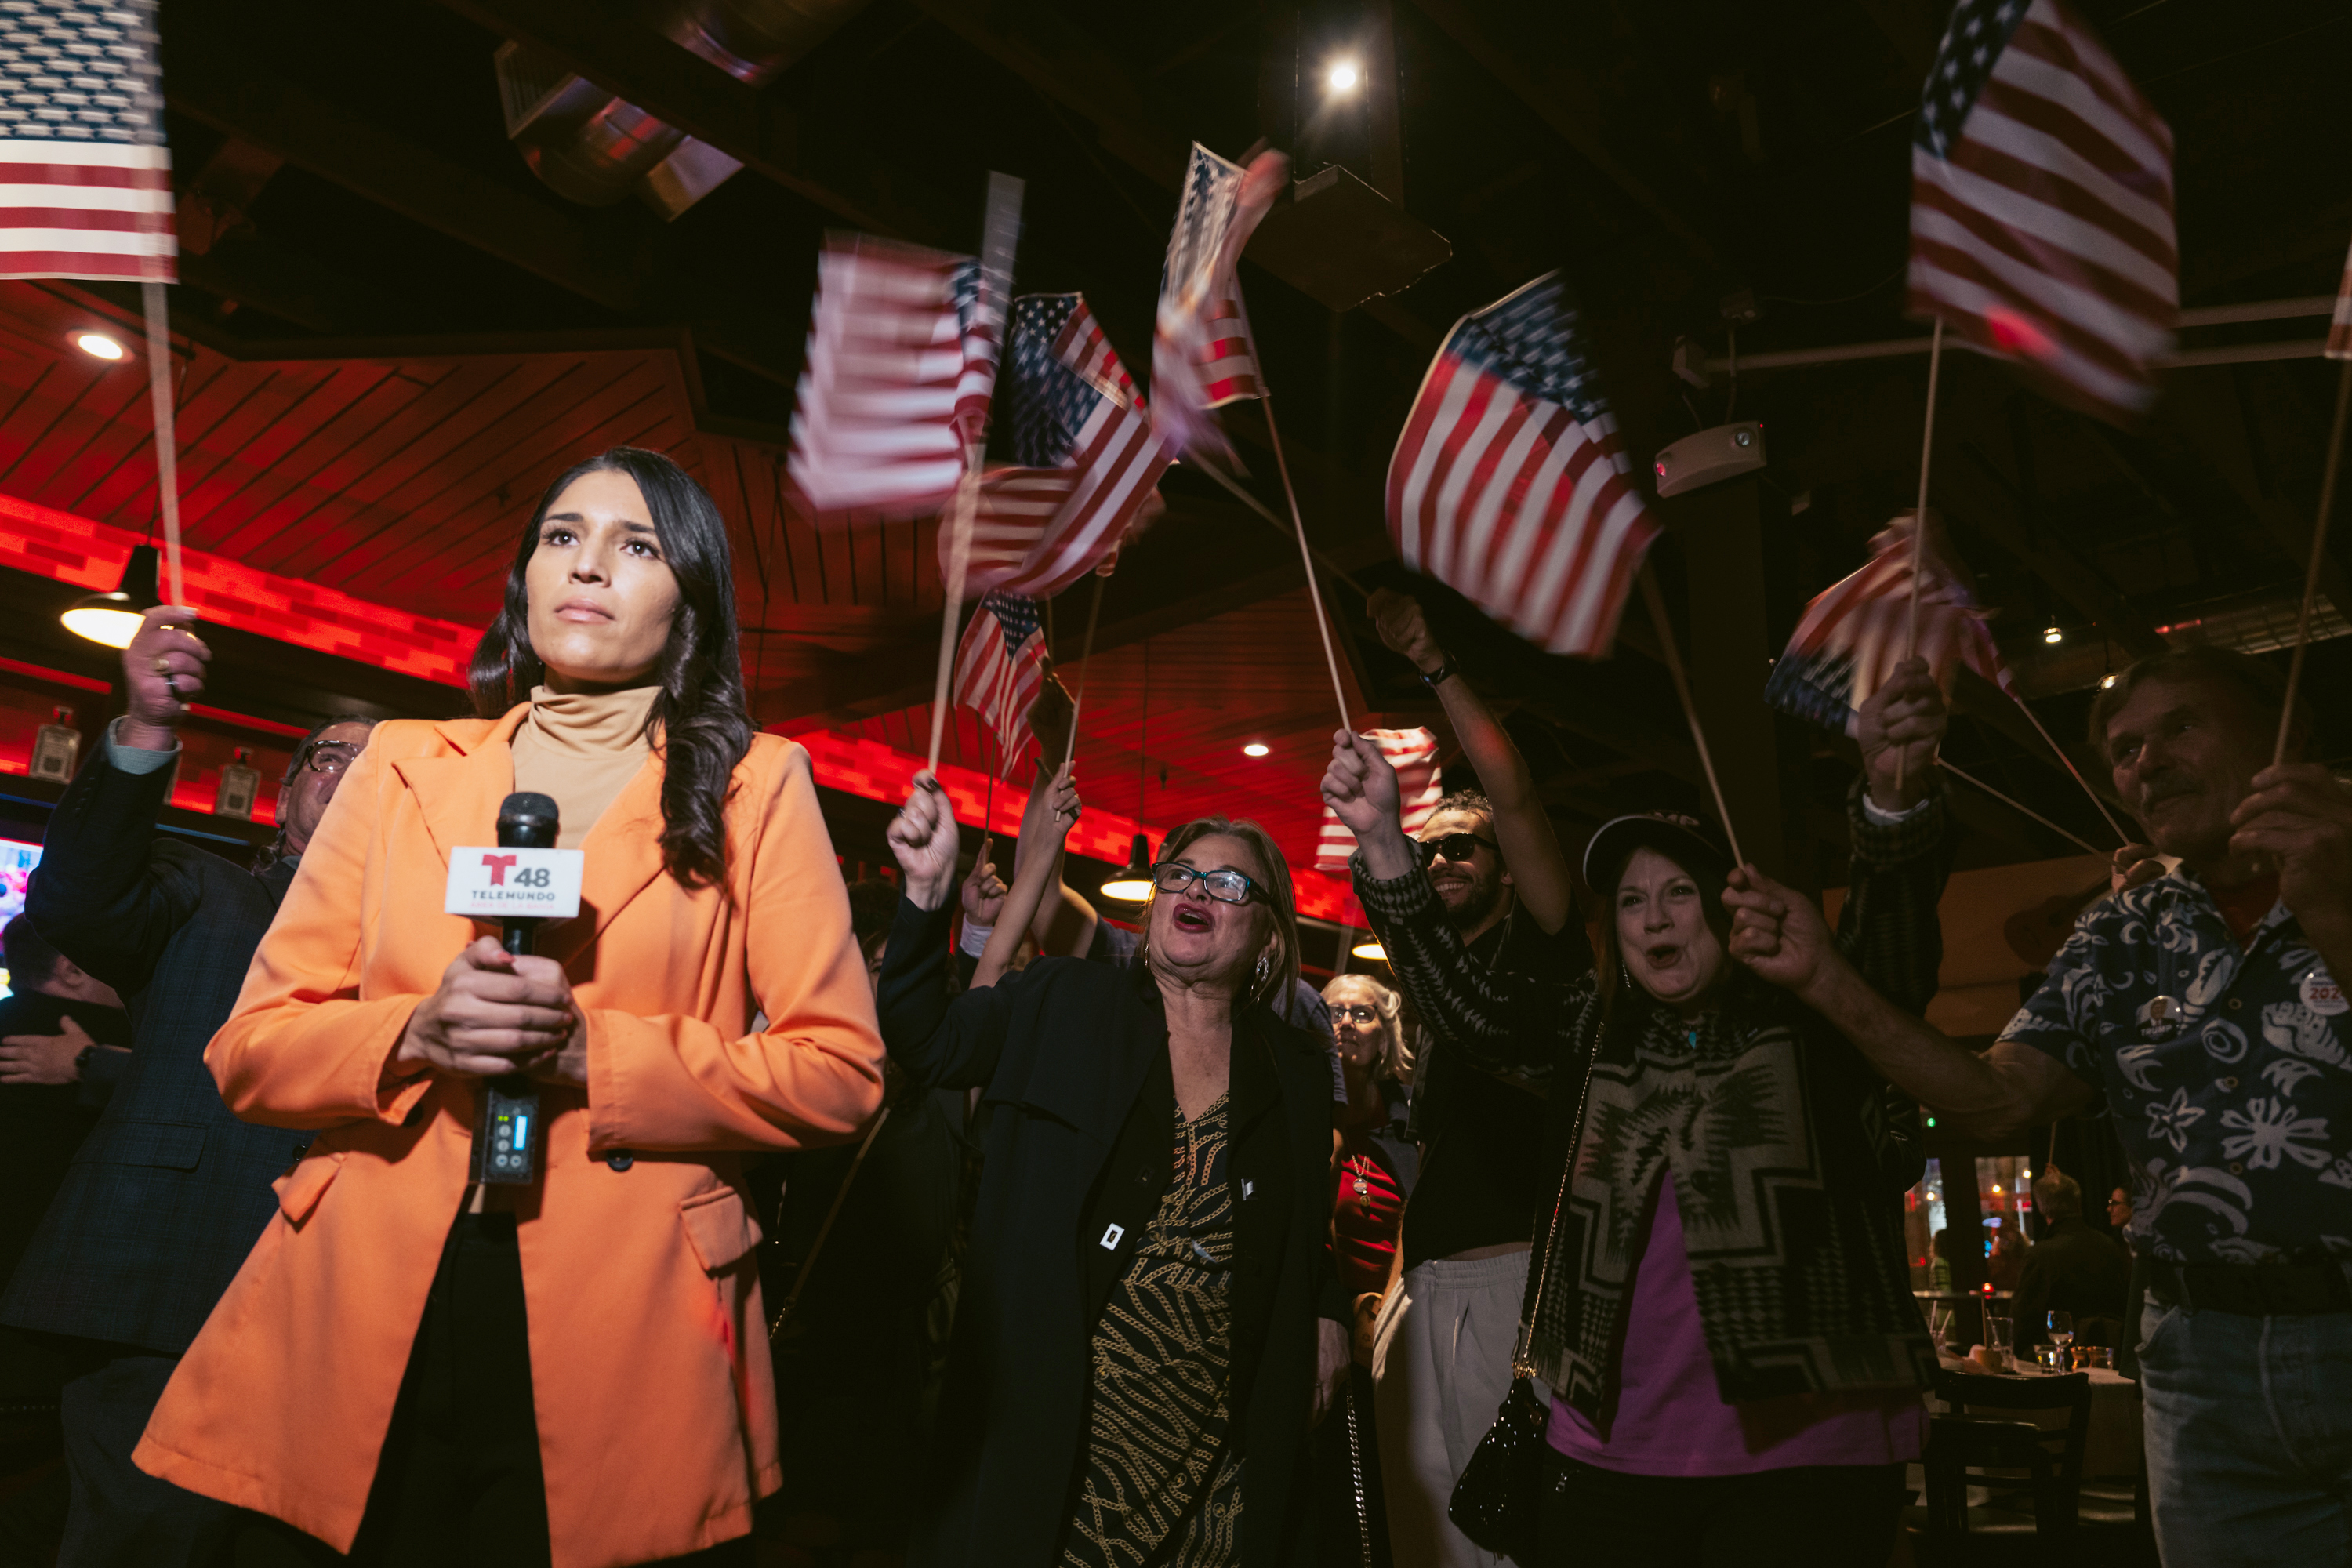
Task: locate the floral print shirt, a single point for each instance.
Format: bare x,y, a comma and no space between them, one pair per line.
2223,1069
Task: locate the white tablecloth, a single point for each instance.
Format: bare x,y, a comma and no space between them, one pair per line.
2111,1444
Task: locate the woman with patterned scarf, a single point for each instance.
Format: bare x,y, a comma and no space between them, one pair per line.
1722,1306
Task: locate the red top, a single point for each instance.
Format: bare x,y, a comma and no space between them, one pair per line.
1366,1209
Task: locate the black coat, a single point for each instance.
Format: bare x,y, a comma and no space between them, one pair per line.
169,1191
1072,1059
42,1124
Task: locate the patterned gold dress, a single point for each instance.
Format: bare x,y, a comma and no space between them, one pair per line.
1162,1484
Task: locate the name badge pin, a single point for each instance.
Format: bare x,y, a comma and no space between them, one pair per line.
2320,993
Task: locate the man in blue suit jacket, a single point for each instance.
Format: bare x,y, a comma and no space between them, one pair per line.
169,1191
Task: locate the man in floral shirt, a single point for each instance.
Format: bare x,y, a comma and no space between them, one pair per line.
2199,1009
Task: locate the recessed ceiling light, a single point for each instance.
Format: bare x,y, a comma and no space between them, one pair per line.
1343,75
1370,948
2053,635
1255,749
98,345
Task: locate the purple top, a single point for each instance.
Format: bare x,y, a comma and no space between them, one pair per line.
1672,1420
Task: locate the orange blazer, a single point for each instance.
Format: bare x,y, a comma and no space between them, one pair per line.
650,1357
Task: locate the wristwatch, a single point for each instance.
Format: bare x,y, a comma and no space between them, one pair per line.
1443,673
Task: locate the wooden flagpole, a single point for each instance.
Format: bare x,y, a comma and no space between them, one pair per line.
1306,558
1919,515
999,233
2068,763
1265,511
2319,553
1656,603
167,443
2015,806
1085,652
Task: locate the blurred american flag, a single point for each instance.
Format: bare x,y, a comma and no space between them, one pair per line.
1509,485
85,178
1000,670
2041,205
1413,755
1202,354
1086,459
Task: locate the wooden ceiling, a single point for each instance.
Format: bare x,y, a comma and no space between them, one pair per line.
395,335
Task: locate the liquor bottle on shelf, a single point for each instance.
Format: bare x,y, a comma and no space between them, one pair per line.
56,748
239,786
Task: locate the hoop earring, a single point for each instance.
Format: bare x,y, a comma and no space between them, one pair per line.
1264,970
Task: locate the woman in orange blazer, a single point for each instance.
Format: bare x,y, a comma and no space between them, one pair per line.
412,1368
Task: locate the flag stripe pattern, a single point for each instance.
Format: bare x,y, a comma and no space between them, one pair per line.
1087,457
1852,635
85,178
1413,755
2042,223
2339,332
891,369
1201,354
1000,670
1509,484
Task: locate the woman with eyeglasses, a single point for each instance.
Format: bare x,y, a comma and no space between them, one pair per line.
1149,1324
1721,1301
416,1364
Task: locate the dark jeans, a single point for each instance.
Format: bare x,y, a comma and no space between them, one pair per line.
458,1485
1821,1516
119,1513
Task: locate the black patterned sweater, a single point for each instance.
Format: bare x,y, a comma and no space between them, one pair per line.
1790,1154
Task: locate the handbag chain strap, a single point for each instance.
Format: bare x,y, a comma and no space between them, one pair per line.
1523,1354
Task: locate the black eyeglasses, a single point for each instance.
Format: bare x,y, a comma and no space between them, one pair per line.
1356,1012
1225,885
1454,846
331,756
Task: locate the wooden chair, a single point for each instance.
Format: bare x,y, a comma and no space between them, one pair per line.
1965,1450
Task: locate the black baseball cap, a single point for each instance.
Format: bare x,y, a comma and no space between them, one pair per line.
1685,841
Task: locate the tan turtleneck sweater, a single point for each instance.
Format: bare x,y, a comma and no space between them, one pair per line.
582,748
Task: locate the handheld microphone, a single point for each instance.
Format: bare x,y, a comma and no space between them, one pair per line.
506,1121
527,820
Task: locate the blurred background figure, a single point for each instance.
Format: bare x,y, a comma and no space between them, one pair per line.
2071,1269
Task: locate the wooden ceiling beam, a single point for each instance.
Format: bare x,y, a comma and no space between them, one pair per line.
758,129
208,82
1499,46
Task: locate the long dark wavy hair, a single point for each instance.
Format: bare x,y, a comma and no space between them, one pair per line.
701,721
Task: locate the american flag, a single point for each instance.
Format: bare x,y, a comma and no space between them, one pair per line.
900,358
1413,755
1509,484
1851,637
1085,456
2339,332
85,178
999,668
1201,355
2041,205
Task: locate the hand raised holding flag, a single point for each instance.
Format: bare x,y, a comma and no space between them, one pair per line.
1361,787
1899,730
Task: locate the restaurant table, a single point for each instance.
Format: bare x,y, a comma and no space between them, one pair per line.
2111,1442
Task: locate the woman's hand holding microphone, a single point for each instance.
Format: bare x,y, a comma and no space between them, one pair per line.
497,1014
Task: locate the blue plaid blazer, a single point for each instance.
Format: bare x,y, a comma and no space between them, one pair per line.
169,1191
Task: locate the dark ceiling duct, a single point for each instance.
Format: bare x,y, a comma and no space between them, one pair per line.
596,148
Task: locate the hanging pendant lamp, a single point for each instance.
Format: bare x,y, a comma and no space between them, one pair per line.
114,618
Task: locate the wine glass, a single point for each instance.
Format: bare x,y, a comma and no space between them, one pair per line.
2062,1330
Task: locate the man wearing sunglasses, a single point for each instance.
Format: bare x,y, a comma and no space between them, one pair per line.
169,1192
1441,1347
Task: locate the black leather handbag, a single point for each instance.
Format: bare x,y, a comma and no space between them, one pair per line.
1498,1501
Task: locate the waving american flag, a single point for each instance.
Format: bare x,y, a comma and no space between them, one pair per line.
2041,205
1087,457
85,178
900,365
1000,670
1413,755
1509,485
1851,637
1201,355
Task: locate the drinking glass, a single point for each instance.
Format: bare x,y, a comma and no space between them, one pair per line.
1997,1335
2061,1328
1939,1325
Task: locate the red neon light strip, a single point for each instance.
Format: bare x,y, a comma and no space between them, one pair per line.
68,549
